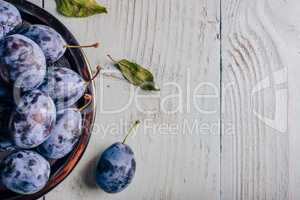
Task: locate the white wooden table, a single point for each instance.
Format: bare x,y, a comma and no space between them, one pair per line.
232,131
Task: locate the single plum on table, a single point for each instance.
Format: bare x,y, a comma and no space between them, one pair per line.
25,172
10,18
32,120
116,167
22,62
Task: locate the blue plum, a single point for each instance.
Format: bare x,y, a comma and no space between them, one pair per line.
64,135
22,62
64,86
50,41
25,172
32,120
9,18
116,168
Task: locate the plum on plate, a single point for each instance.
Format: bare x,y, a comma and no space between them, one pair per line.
22,62
116,167
50,41
66,132
65,86
32,120
9,18
64,135
25,172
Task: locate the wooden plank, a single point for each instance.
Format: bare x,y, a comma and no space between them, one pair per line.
179,42
260,145
37,2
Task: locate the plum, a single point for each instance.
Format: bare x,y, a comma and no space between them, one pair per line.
66,132
64,86
116,167
32,120
9,18
22,62
50,41
25,172
64,135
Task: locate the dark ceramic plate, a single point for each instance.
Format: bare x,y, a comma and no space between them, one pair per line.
76,59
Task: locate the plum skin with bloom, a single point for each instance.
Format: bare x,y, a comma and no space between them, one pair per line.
10,18
64,135
22,62
116,168
32,120
25,172
49,40
64,86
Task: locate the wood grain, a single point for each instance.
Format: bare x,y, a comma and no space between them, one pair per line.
259,158
259,98
179,42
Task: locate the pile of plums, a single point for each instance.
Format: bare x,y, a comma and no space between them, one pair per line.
40,120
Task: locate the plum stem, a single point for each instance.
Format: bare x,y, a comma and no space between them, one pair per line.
95,75
89,98
98,69
95,45
111,58
113,76
130,130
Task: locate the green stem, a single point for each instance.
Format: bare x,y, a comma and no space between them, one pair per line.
130,130
95,45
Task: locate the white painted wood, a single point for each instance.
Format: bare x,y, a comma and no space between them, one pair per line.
173,38
37,2
260,108
260,150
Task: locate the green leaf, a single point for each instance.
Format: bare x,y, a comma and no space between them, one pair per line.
136,74
79,8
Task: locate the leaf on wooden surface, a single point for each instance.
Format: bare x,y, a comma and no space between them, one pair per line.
79,8
136,74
